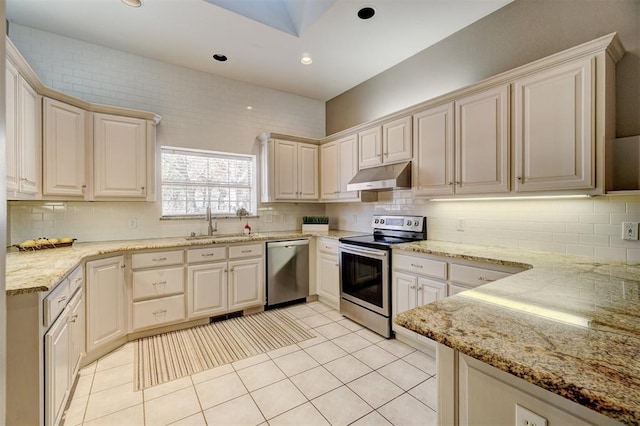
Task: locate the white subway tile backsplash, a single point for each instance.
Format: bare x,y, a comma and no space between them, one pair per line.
594,218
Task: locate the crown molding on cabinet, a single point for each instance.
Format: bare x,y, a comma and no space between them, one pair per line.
14,55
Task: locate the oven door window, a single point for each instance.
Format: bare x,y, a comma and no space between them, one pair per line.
362,278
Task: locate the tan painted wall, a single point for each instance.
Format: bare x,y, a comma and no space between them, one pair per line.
519,33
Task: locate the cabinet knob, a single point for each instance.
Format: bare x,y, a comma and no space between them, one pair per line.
519,178
420,288
122,266
142,189
73,318
450,183
485,279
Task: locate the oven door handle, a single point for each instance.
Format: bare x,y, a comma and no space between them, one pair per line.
363,251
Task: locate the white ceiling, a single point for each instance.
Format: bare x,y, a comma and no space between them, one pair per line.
346,50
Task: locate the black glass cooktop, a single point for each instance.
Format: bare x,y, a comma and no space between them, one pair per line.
383,242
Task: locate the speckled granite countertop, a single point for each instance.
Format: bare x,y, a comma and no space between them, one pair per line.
36,271
568,324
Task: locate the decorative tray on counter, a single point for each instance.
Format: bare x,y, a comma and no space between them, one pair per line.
43,244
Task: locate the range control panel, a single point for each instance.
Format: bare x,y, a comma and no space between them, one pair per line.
399,223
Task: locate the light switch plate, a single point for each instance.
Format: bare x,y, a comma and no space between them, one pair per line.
630,231
526,417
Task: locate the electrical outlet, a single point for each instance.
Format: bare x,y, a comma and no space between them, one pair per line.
525,417
461,225
133,223
630,231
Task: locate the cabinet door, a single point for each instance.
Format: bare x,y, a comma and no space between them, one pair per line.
57,372
207,295
286,170
328,278
396,140
11,127
553,128
347,166
64,145
76,334
105,297
329,186
404,292
120,157
308,172
482,142
28,137
370,148
246,284
433,148
430,291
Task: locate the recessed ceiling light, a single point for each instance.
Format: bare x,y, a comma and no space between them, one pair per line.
220,57
249,107
366,13
306,60
133,3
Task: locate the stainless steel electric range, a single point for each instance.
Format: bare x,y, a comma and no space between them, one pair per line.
365,269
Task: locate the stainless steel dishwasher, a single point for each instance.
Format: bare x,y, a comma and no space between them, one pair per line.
287,271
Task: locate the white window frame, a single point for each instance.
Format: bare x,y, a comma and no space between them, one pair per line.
215,154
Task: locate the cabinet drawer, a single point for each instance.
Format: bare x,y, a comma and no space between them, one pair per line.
159,258
328,246
152,313
474,276
158,282
421,266
206,254
76,279
249,250
56,301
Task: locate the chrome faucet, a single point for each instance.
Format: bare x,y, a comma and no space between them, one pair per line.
212,228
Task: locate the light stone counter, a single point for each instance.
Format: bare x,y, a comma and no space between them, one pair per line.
40,270
568,324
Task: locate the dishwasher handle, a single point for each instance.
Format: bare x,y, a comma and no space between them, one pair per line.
287,243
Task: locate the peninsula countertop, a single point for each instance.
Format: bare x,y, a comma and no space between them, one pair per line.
568,324
41,270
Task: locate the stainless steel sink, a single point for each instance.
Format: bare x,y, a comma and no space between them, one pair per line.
200,237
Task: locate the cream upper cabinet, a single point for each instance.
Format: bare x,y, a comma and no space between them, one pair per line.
396,140
22,135
120,157
339,160
554,136
64,149
370,147
290,171
389,143
433,169
482,142
329,185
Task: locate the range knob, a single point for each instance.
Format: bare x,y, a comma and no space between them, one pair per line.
409,222
416,222
376,221
381,221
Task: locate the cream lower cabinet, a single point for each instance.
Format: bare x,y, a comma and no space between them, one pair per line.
416,281
553,127
105,286
57,369
23,140
157,289
246,285
328,272
219,283
64,149
207,276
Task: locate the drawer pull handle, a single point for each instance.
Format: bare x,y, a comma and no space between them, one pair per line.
77,280
412,287
415,265
159,283
246,251
73,318
158,259
337,264
485,279
208,254
160,312
62,299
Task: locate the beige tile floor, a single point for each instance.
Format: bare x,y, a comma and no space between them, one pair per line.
345,375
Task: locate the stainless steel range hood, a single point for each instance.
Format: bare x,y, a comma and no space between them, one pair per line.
382,178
